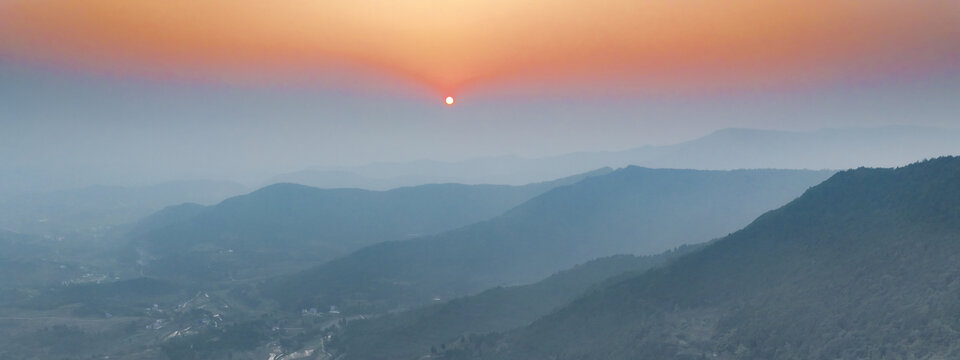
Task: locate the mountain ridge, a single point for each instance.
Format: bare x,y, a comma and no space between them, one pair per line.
631,210
724,149
860,266
306,225
419,331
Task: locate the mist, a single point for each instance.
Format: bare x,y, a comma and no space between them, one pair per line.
479,180
65,130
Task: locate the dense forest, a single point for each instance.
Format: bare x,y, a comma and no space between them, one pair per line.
861,266
424,330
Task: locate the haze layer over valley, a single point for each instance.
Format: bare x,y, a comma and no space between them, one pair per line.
479,180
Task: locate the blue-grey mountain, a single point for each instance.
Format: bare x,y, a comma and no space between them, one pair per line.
632,210
862,266
287,227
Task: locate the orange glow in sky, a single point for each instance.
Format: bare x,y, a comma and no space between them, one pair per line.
453,46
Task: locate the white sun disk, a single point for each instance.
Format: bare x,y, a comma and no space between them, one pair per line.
449,100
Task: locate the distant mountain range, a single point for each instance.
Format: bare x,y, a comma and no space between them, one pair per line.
632,210
727,149
859,266
862,266
287,227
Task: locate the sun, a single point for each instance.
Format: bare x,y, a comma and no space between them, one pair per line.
449,100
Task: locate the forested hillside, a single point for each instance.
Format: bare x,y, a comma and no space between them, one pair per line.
862,266
411,334
632,210
287,227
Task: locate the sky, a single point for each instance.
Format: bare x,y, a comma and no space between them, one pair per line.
142,90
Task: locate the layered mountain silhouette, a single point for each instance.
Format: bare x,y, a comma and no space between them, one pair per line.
286,227
862,266
410,334
632,210
726,149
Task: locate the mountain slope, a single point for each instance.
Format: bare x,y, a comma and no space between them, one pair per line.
632,210
410,334
861,266
282,227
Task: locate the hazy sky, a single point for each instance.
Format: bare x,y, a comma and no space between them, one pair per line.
142,90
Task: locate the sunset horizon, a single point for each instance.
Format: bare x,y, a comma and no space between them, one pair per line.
481,46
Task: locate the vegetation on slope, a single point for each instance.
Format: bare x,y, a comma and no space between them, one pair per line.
286,227
861,266
632,210
410,334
